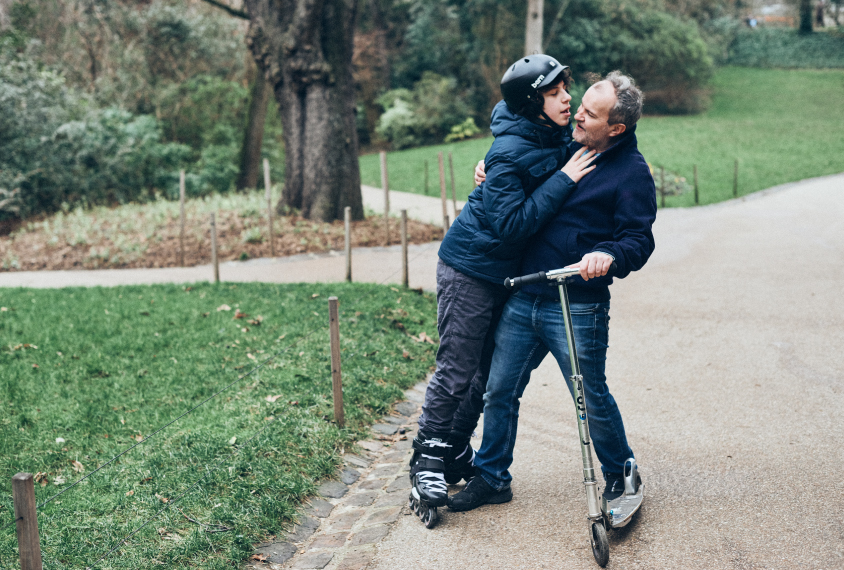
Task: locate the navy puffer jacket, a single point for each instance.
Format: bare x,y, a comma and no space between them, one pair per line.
524,189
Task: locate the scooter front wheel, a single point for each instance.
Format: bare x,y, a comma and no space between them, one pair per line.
600,544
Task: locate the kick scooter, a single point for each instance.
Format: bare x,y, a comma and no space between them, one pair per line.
603,515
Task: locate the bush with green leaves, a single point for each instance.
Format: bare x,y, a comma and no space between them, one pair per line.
465,130
423,115
786,48
57,147
666,55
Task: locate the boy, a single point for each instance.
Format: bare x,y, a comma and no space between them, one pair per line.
524,188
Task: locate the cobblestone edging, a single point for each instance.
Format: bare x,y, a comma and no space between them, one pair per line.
340,530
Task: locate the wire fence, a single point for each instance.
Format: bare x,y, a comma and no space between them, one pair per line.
292,345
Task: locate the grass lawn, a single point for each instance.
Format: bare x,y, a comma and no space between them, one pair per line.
87,372
781,125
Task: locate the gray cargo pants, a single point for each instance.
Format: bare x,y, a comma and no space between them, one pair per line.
468,310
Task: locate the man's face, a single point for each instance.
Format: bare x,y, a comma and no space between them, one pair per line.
593,129
556,104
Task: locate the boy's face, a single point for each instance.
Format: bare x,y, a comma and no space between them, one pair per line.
556,104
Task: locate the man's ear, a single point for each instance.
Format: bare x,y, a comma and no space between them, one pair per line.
617,129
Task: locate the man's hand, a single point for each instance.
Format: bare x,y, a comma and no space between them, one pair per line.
595,264
480,173
578,165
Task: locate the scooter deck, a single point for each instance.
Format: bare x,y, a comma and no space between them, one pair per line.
620,511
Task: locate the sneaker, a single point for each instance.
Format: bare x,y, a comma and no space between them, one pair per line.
476,493
614,487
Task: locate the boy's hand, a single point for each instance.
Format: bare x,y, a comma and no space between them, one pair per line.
595,264
578,165
480,173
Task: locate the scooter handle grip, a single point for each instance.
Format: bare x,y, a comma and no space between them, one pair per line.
516,282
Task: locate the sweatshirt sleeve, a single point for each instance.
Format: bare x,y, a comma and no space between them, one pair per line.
635,212
511,215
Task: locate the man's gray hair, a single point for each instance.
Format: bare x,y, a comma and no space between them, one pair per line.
629,100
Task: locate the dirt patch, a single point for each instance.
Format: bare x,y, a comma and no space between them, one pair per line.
148,238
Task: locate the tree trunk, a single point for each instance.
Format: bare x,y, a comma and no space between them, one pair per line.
250,152
805,17
304,48
533,28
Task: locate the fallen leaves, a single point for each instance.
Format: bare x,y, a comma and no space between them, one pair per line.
78,467
58,480
41,478
24,346
406,354
162,499
260,557
272,399
130,493
238,314
256,321
60,440
423,338
224,307
233,440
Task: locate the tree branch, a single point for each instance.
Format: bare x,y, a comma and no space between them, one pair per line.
233,11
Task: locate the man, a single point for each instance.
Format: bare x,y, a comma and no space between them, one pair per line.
608,219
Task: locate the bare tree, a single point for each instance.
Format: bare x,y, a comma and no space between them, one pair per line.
805,9
305,48
253,137
533,27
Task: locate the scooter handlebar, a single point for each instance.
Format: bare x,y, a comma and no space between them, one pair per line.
516,282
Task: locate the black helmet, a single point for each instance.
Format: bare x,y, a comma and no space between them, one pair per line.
521,83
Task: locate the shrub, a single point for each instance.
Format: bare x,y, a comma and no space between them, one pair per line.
465,130
786,48
423,115
56,147
666,55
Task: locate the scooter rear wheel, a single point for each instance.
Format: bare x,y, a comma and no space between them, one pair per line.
600,544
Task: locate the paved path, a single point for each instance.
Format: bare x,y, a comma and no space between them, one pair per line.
726,360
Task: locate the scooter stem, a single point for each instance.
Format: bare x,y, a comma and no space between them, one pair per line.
592,502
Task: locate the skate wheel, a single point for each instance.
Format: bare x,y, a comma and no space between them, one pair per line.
431,517
600,544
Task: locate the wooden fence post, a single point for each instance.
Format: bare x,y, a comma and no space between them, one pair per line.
269,195
453,191
347,219
426,178
182,217
385,184
442,193
697,200
404,268
735,180
29,545
214,259
336,378
662,186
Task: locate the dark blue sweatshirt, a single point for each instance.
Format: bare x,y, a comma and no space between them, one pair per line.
524,188
612,211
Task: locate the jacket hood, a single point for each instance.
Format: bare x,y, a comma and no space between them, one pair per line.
506,122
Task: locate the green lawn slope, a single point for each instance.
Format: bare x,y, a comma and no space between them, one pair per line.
781,125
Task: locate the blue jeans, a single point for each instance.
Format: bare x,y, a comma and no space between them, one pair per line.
530,327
